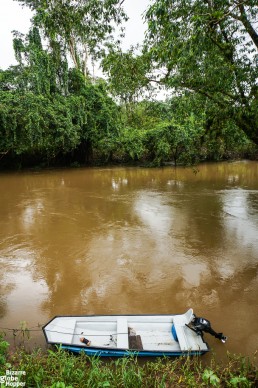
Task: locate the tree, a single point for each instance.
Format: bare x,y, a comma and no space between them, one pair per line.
210,48
47,109
46,128
79,27
127,74
172,139
34,124
38,70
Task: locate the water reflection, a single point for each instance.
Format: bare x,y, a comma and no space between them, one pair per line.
153,212
132,241
241,225
117,183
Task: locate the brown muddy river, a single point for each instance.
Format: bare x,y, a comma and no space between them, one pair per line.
132,241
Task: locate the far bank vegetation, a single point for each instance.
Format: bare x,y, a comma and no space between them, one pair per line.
201,54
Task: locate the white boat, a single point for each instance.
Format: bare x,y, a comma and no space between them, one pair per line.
120,335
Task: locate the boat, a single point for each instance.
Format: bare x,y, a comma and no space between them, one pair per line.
123,335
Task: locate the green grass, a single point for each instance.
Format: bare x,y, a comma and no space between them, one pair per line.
60,369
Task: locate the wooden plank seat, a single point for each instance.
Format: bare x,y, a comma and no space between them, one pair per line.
122,333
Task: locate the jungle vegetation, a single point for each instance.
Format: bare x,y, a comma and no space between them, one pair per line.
202,53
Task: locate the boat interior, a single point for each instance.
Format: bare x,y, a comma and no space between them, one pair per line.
126,332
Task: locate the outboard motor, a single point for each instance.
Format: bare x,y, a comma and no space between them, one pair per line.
200,325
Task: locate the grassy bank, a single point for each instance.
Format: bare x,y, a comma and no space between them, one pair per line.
59,369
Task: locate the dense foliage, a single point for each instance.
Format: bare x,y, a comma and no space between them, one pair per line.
53,110
210,48
59,369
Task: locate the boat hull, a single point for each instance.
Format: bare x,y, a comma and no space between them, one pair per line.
127,353
126,335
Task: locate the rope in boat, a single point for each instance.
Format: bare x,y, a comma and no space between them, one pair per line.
61,332
39,328
88,335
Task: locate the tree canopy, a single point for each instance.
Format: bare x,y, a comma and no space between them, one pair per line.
78,27
127,73
210,48
53,110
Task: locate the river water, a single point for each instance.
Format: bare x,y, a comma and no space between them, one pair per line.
132,241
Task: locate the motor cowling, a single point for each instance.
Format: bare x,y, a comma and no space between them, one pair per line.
200,325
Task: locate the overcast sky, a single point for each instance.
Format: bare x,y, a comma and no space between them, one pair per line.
15,17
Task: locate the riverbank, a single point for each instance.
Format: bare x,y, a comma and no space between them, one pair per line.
60,369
